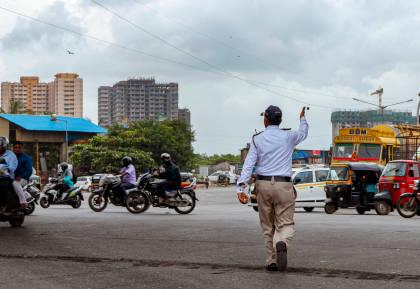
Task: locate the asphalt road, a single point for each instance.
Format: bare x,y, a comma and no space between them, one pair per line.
219,245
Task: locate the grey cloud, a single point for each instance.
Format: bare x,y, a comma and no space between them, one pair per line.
28,33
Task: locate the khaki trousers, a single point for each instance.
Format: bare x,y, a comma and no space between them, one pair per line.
276,206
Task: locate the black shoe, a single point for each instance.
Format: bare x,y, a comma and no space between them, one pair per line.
281,249
272,267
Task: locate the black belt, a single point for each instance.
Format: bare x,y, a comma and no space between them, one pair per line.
276,178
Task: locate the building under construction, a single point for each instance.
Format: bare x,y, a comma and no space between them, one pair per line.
368,118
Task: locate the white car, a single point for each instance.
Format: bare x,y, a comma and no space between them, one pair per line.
214,177
309,183
85,182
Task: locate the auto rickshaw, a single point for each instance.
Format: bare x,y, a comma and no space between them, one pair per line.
397,178
352,185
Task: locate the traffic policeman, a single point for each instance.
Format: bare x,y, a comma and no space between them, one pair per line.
271,155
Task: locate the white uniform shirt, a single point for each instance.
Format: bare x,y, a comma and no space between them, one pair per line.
271,152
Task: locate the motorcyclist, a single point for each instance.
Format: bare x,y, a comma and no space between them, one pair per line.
128,173
8,166
169,174
66,176
23,171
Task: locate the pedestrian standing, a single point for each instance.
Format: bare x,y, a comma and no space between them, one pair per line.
271,155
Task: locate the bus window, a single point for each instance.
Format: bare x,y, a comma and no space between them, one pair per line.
369,151
343,150
386,153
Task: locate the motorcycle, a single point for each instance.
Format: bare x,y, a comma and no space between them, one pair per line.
33,194
408,205
110,190
10,210
183,201
58,193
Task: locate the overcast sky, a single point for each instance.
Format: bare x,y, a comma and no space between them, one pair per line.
252,54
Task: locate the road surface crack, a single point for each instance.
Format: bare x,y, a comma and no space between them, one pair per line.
224,268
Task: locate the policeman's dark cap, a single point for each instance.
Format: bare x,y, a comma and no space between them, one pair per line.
272,113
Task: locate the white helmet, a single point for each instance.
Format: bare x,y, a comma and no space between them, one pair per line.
4,142
165,157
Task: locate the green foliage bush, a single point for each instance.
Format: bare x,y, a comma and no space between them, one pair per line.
144,141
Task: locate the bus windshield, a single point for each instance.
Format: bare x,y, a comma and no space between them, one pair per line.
369,151
394,170
338,174
343,150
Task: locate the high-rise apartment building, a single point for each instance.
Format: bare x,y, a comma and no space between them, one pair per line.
31,94
137,99
104,105
184,114
66,95
63,96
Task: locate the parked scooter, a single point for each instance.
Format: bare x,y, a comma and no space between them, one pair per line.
110,190
58,193
33,193
183,201
10,210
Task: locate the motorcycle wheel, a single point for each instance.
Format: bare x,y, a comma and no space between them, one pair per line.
29,209
407,206
186,210
77,203
97,202
44,202
17,220
137,202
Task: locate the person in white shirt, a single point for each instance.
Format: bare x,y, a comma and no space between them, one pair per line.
271,155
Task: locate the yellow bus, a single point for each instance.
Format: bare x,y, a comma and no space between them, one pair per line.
379,144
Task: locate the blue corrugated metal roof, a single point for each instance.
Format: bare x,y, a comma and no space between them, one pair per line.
44,123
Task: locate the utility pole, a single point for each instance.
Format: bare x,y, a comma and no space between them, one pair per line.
418,110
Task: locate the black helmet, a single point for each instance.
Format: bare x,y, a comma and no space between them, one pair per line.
127,160
64,166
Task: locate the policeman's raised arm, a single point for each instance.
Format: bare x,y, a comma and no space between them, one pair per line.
301,134
250,161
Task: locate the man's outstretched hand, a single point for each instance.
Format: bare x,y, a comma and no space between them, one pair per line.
302,113
242,196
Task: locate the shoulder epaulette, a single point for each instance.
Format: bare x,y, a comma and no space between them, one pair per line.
253,137
286,129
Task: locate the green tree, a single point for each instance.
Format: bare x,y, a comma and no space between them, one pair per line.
16,106
204,160
144,141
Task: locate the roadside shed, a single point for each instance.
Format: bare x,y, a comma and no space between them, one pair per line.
44,136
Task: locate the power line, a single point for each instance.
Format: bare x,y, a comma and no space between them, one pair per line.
222,43
117,45
100,40
213,66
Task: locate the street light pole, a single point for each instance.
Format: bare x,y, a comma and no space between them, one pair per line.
54,118
67,142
